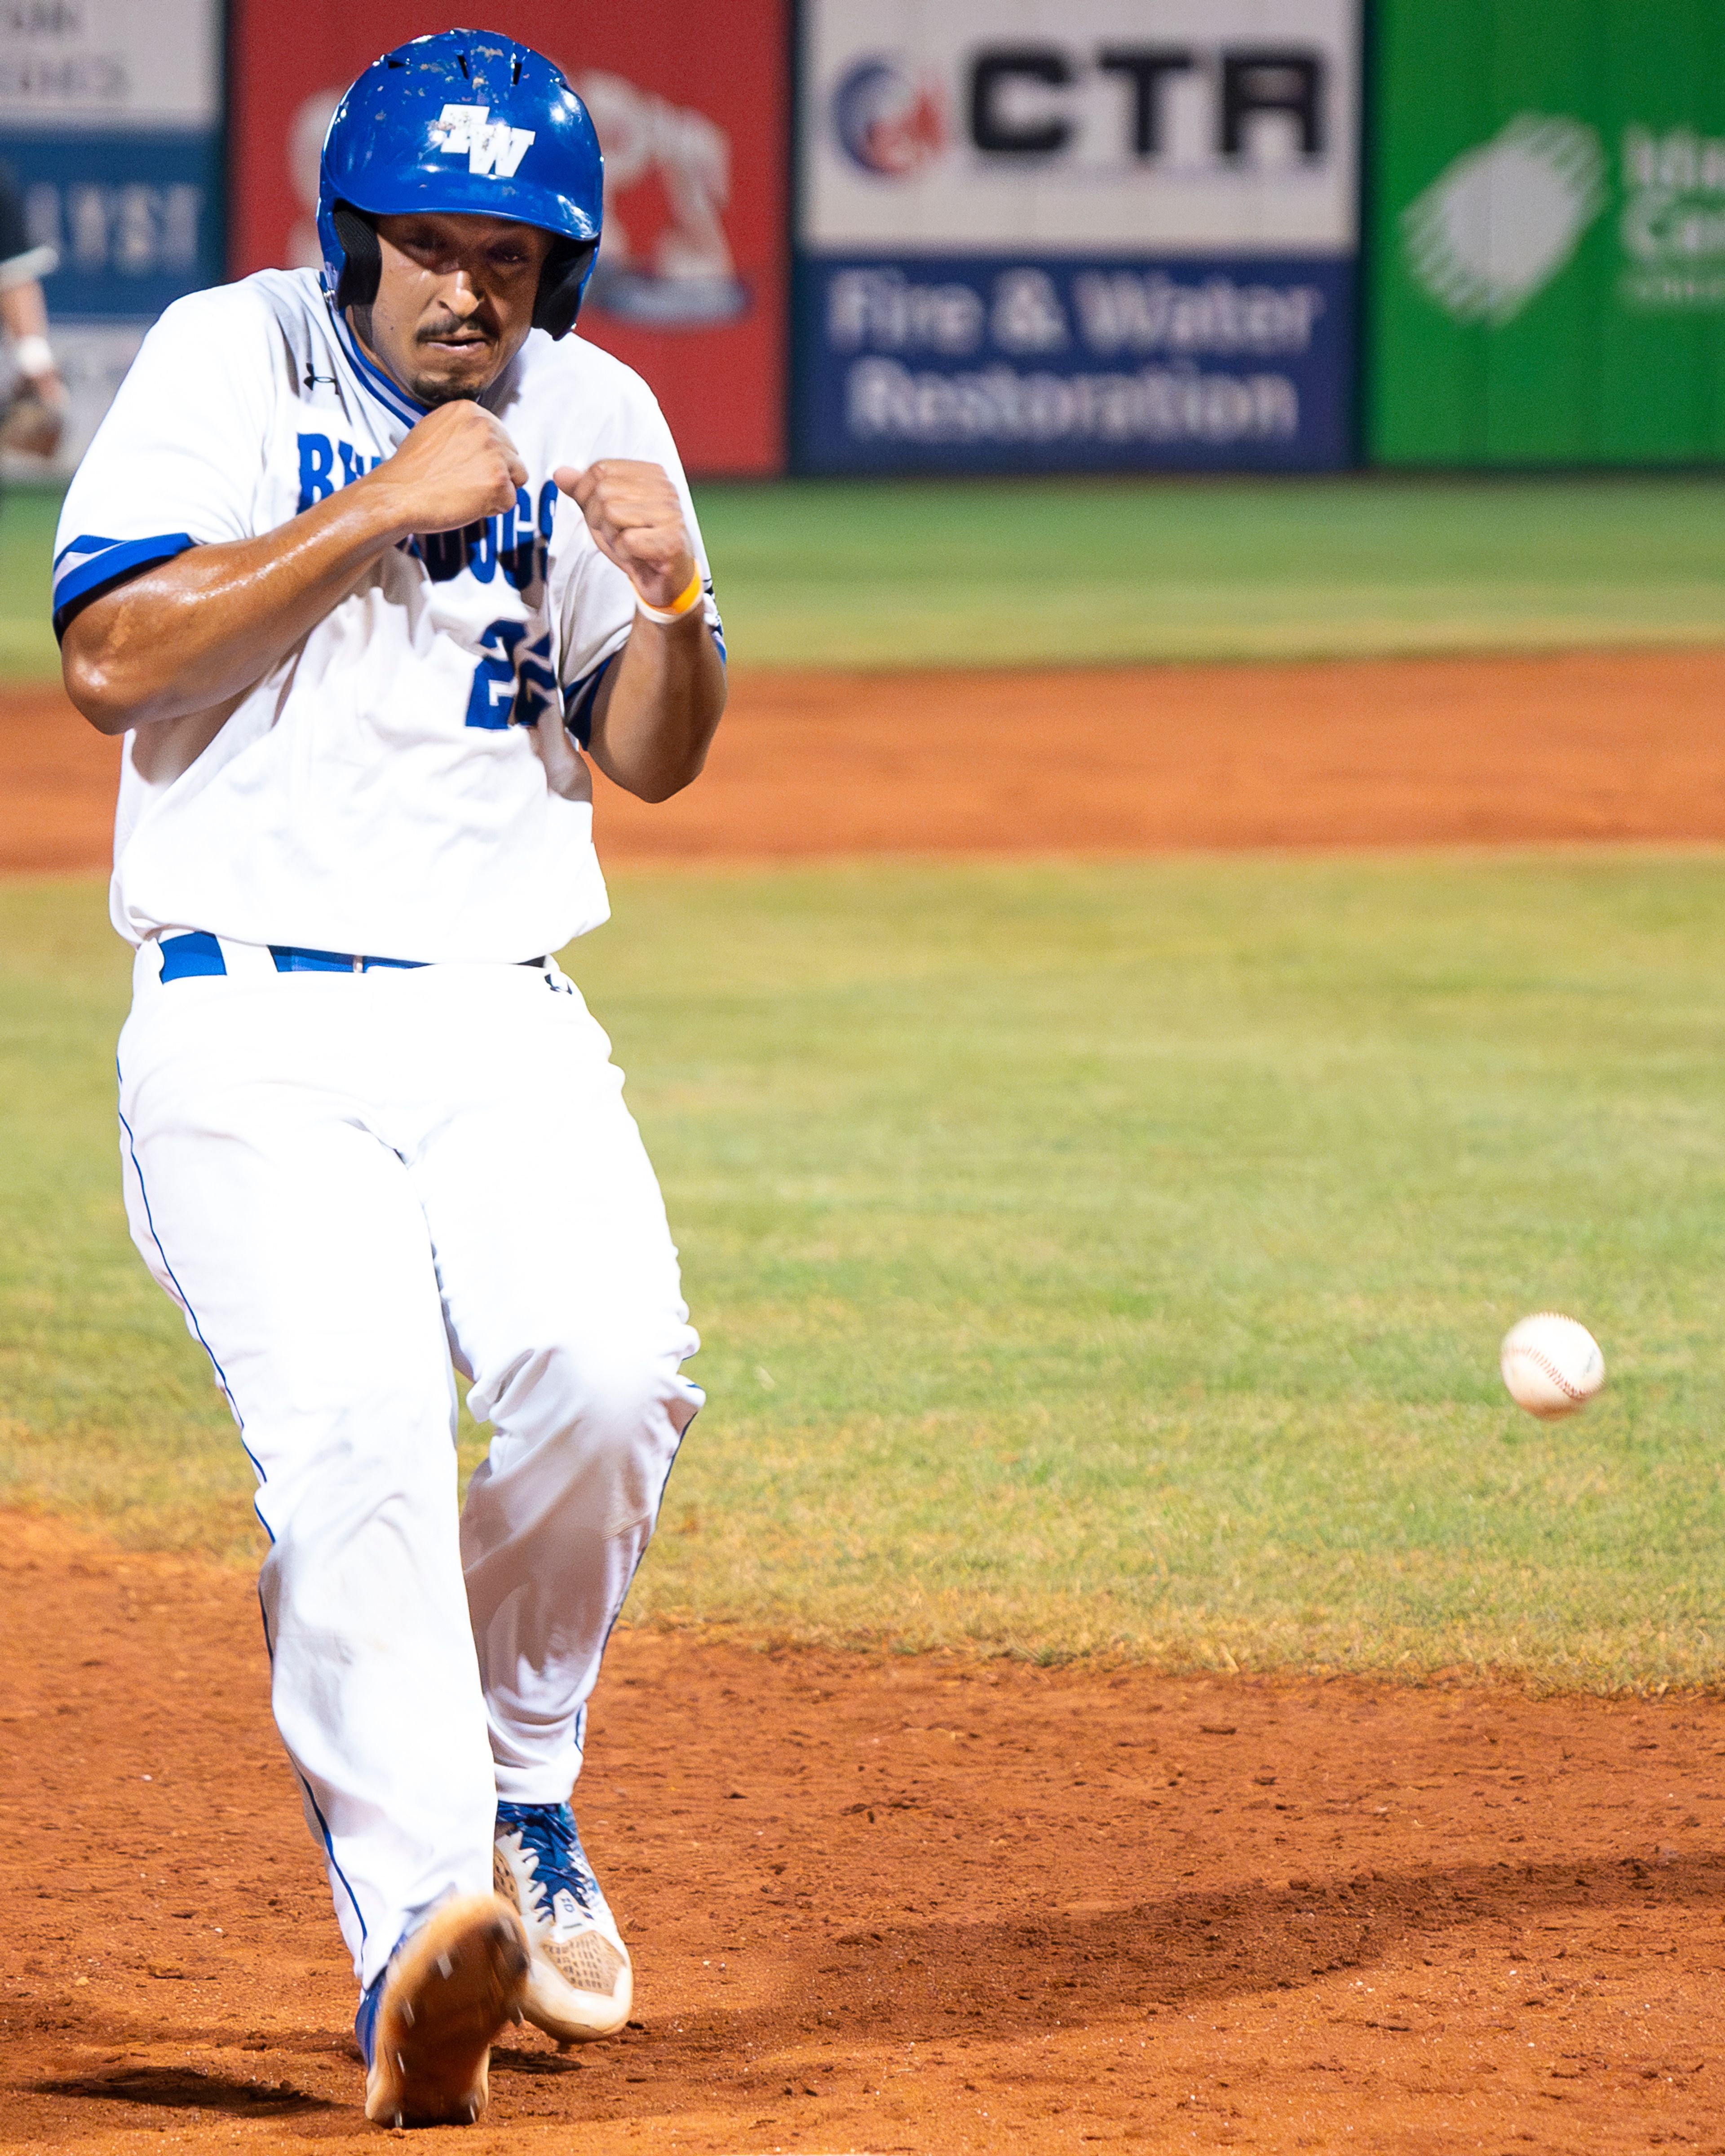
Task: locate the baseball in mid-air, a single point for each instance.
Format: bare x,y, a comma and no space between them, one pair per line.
1551,1365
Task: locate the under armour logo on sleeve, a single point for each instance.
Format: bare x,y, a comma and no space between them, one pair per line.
490,145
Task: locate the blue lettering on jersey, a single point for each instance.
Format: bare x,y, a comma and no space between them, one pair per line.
490,702
508,542
517,554
317,464
514,682
317,468
482,554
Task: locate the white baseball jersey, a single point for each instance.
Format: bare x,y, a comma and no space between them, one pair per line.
378,790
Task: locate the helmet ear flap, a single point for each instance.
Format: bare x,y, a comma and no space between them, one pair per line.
560,284
362,266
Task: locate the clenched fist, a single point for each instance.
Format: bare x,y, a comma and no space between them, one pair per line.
456,466
636,518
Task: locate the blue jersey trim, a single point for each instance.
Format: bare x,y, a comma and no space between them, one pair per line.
115,558
87,542
387,391
579,697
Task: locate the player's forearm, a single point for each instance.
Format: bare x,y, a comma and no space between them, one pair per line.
207,626
24,311
658,709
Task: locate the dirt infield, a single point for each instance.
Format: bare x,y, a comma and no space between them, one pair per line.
898,1905
1385,752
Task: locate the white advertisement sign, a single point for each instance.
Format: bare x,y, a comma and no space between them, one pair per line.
1164,126
130,64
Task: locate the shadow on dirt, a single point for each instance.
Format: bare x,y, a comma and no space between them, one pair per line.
1093,1962
505,2060
1088,1965
183,2088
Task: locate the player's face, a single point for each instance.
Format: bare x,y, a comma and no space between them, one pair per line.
454,301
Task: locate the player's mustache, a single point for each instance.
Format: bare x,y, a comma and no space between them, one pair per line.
452,329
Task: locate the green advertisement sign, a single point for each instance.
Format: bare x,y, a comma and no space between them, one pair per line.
1546,205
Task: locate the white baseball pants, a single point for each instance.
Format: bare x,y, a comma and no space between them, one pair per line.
349,1182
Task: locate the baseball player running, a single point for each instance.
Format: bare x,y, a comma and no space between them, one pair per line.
360,565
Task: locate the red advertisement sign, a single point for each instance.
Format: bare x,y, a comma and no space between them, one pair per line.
693,116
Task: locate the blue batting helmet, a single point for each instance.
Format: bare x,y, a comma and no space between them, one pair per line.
467,121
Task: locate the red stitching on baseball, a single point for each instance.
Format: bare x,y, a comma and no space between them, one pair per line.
1538,1355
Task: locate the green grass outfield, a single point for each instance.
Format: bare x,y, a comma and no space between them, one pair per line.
818,573
28,515
1103,1259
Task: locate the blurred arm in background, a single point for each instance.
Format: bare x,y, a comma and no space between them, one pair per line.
36,410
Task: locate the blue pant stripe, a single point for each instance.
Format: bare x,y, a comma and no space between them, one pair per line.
132,1147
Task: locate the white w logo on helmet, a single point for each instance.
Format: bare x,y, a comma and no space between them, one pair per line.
490,145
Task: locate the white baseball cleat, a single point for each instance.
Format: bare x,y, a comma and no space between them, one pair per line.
425,2026
580,1983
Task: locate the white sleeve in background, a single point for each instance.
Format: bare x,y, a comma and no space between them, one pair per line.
179,459
597,604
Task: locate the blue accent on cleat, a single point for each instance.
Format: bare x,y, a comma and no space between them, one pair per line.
580,1984
365,2022
549,1836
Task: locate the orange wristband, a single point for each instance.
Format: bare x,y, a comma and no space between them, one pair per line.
685,602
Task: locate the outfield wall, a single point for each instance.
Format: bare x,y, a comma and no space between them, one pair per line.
949,236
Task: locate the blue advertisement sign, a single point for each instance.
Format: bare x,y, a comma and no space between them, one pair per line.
1100,235
135,219
965,362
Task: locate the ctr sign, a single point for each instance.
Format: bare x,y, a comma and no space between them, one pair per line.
1021,98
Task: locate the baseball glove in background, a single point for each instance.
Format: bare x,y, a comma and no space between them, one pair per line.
33,423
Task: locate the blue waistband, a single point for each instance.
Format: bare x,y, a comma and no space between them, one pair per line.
198,951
